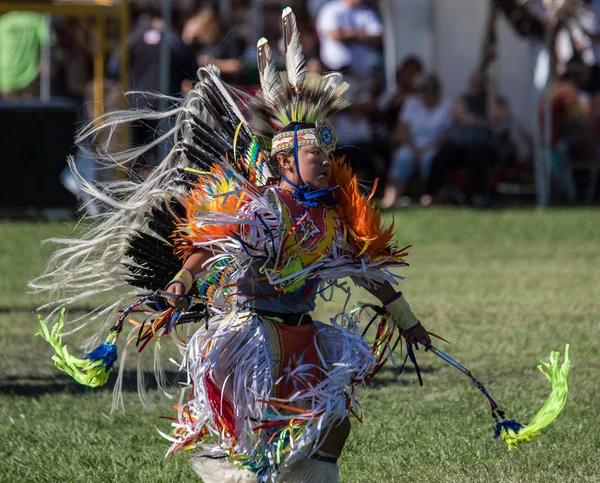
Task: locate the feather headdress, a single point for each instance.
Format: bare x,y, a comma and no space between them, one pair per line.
294,95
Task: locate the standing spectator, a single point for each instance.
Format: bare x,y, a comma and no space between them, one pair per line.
480,120
21,36
207,37
350,35
422,128
144,46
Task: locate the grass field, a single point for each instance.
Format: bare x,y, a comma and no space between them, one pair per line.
505,287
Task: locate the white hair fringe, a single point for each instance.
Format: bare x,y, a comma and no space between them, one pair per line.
92,266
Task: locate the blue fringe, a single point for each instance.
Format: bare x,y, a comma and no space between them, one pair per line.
507,424
107,353
309,197
410,355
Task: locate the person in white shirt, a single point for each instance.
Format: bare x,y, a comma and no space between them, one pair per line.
391,101
422,127
350,35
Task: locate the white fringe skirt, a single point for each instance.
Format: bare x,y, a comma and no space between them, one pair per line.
265,395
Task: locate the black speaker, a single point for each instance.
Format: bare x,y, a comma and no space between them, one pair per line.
35,140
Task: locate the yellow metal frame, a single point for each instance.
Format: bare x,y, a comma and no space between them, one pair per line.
100,10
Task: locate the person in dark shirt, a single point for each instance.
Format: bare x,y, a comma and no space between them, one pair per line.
390,103
207,37
144,46
480,117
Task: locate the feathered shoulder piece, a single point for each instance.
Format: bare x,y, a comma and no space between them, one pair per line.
294,95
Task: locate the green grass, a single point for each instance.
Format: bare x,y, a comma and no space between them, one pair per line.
505,287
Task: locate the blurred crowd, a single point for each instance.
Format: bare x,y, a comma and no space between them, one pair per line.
423,146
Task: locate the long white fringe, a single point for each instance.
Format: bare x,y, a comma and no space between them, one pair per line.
238,359
88,270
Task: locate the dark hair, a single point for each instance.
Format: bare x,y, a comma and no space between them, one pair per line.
274,162
410,61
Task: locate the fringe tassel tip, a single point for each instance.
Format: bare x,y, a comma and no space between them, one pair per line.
555,403
93,370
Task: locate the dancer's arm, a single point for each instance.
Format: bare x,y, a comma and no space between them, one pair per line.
395,302
183,281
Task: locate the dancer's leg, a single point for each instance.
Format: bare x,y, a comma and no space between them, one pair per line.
311,471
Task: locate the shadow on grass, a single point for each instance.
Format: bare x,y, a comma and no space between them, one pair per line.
33,386
388,376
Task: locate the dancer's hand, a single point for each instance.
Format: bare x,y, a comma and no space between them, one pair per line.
180,301
417,334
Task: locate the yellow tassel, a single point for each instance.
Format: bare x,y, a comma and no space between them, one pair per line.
92,373
553,405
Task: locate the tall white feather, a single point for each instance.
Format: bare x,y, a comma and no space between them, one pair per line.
294,61
294,57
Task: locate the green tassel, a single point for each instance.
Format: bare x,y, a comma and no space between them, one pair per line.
84,371
553,405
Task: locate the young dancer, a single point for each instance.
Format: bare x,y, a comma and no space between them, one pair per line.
247,221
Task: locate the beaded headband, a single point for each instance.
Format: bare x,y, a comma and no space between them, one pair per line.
322,135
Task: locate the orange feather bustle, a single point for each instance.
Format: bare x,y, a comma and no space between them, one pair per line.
207,197
359,213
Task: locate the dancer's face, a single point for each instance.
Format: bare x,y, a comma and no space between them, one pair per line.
315,166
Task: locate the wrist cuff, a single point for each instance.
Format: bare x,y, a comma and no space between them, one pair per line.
402,313
185,278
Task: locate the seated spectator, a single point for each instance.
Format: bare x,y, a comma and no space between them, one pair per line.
350,35
391,101
480,119
355,134
207,37
422,127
